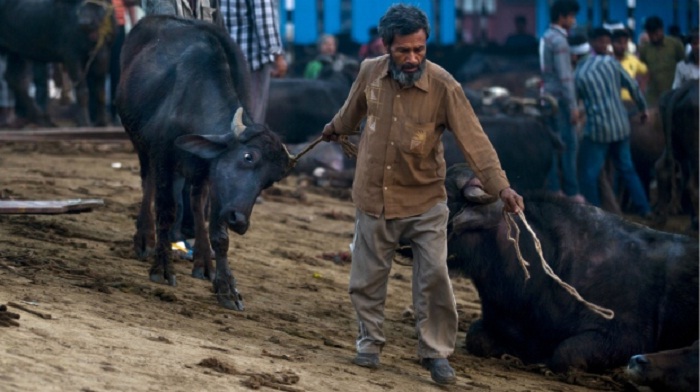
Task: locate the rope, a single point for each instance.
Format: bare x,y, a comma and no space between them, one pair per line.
510,221
349,149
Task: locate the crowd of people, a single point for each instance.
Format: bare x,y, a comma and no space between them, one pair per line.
598,73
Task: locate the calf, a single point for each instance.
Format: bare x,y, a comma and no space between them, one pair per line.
670,370
71,32
180,98
648,278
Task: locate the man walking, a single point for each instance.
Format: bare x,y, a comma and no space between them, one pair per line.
399,188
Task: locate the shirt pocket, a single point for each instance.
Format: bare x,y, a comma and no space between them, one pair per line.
418,138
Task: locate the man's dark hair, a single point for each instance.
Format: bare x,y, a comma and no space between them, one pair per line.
599,32
520,19
402,19
653,23
563,8
620,33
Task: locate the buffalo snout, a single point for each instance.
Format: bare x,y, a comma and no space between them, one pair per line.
236,220
638,361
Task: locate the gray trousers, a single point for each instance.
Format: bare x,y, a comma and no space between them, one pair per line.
434,304
260,92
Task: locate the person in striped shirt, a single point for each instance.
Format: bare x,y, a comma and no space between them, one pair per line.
598,80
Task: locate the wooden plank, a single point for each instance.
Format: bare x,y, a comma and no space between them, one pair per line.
48,206
70,134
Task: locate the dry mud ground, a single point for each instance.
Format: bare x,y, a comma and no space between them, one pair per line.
111,329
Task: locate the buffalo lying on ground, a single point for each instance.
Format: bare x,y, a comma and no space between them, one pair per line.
668,371
180,98
58,31
648,278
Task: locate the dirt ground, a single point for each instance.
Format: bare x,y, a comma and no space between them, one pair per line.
111,329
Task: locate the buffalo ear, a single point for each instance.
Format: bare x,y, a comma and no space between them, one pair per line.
204,146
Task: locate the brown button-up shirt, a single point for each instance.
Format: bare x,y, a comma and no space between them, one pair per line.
400,162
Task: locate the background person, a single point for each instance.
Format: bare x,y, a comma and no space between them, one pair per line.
688,69
661,54
558,81
254,26
599,78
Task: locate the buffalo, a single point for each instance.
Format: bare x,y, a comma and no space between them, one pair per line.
677,169
648,278
524,144
301,107
670,370
76,33
184,87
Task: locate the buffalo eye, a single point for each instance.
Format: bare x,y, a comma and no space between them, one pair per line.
248,157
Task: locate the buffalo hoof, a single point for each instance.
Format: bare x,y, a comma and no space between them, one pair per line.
199,272
227,295
143,246
157,275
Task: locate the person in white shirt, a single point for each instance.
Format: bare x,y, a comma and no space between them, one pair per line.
689,68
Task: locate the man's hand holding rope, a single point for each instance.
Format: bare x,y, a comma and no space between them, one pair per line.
512,201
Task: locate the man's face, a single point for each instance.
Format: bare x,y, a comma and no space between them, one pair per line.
328,46
656,36
407,55
620,46
600,45
568,22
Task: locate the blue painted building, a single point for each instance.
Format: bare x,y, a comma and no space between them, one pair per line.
304,20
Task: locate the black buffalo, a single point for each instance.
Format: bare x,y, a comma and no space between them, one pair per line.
182,82
524,144
72,32
648,278
666,371
677,169
299,108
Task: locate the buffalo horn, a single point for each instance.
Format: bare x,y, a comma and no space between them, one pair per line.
477,195
237,125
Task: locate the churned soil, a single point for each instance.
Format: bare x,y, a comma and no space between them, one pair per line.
96,323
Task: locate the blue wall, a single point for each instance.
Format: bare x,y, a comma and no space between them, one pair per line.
365,14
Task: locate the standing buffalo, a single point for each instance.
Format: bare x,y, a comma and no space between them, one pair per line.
648,278
524,144
302,107
72,32
183,84
677,169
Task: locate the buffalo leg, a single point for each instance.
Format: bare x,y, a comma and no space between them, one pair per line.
224,282
81,92
17,80
202,268
480,343
97,79
578,351
162,268
144,239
